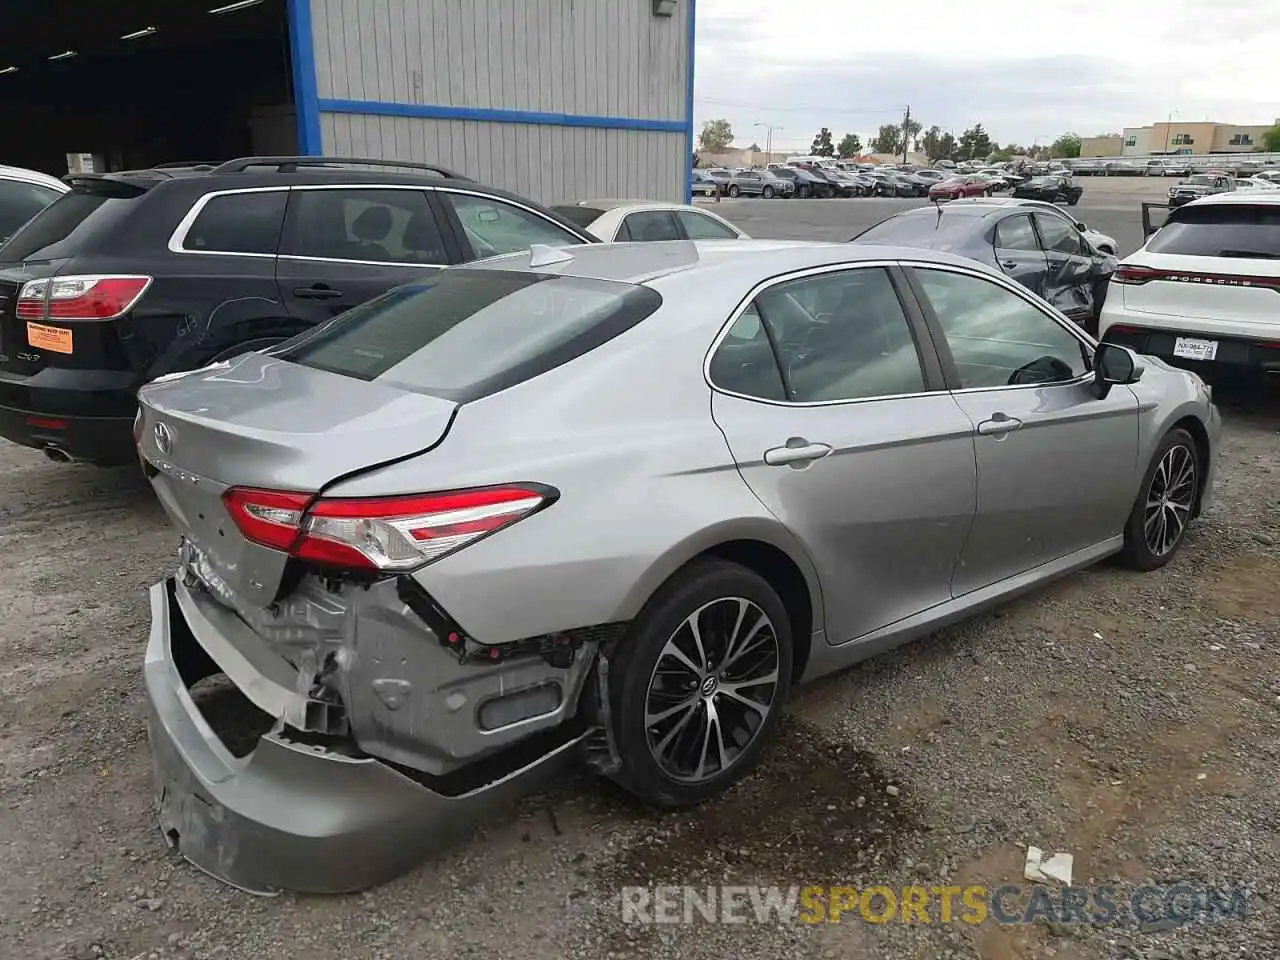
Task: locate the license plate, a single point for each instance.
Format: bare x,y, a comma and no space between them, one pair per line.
53,339
1191,348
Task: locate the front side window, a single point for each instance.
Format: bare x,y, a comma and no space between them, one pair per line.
841,336
368,225
996,337
465,333
1058,235
494,227
238,223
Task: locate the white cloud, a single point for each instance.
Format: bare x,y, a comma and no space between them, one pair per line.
1025,72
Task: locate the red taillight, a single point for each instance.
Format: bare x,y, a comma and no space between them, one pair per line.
379,534
80,297
1135,275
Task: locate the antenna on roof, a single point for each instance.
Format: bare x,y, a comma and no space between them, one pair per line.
541,255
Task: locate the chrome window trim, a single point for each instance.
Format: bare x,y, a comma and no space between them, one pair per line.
178,238
1000,281
802,274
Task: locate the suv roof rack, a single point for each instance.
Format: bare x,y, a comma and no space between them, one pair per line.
291,164
186,165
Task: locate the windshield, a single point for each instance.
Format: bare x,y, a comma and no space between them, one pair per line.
1201,179
1221,231
463,334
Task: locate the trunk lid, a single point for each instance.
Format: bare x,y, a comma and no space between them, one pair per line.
1240,291
259,421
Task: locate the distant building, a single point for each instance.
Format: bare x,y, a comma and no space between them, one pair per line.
1196,139
1108,145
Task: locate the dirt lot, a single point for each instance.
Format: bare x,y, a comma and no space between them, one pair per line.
1131,720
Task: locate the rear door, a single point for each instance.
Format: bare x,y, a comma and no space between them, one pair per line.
344,245
847,437
1071,270
1018,252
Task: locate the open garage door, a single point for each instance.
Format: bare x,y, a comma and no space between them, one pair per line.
135,83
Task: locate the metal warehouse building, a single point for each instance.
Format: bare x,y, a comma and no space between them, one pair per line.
555,99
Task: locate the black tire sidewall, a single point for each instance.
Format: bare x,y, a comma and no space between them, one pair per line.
1136,553
767,193
632,665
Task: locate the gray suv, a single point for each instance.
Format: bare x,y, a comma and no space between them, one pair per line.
759,183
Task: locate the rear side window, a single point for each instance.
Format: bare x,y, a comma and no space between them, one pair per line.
650,226
367,225
238,223
1221,231
20,201
1016,233
61,228
464,334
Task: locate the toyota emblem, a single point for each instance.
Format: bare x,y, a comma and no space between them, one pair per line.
164,439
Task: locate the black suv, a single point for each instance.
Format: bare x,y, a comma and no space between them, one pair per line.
142,273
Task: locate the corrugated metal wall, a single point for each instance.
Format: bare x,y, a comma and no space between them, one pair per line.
585,58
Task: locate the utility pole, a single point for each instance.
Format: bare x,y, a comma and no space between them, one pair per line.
906,133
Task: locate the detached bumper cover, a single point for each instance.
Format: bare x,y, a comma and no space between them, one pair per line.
291,815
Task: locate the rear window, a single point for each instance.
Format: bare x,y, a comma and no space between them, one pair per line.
58,229
584,216
1221,231
464,334
928,226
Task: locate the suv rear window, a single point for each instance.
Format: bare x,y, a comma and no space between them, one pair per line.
55,231
464,334
1221,230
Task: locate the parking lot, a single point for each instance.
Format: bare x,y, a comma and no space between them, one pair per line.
1131,720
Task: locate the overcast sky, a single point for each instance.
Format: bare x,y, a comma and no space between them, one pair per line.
1026,71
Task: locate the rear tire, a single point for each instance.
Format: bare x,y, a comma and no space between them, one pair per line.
684,734
767,193
733,193
1165,504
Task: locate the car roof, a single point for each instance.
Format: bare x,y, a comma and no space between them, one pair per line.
32,176
748,261
630,205
1268,197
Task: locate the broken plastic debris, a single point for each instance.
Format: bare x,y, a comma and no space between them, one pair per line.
1055,866
1097,635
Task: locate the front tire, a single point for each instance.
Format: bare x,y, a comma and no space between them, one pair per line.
700,682
1165,505
733,193
767,193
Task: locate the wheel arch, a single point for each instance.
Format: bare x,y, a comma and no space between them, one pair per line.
1200,435
767,550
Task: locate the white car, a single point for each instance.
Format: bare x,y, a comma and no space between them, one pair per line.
629,221
1256,183
1205,286
23,194
1098,240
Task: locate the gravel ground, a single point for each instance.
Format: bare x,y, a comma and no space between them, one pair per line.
1130,720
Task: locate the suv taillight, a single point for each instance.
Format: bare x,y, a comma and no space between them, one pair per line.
80,297
383,534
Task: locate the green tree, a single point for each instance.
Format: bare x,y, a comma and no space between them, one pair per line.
1014,150
975,143
911,135
755,147
822,144
850,145
1067,145
931,143
716,136
1271,140
888,140
947,147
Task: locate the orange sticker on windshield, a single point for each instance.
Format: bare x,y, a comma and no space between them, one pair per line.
53,339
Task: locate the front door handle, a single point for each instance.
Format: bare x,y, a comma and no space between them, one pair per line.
797,451
1009,264
998,425
317,292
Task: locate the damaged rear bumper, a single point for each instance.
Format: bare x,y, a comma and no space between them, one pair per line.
293,814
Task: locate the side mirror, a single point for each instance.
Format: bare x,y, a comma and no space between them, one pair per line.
1113,365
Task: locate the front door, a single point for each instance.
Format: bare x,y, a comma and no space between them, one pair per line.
1069,282
1018,252
344,246
1056,464
845,436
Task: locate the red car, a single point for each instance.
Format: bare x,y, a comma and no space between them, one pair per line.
964,186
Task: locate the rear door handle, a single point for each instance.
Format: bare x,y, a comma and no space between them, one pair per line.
317,293
998,425
797,451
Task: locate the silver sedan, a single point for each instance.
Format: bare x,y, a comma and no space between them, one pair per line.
613,501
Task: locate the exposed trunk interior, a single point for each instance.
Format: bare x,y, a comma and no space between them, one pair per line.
142,82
